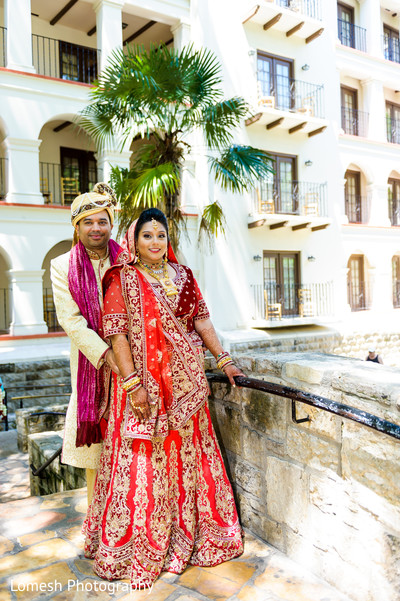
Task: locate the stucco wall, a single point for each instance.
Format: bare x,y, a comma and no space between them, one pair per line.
325,492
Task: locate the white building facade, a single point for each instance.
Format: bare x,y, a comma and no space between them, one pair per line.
317,242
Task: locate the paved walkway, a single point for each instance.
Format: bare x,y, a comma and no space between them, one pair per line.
41,555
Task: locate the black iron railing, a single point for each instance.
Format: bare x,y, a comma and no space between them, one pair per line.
311,8
393,130
354,122
5,310
63,60
357,208
3,46
49,311
3,178
359,296
391,48
352,36
60,190
314,400
291,198
277,302
287,94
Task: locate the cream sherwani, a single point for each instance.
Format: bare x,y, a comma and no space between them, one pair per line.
82,339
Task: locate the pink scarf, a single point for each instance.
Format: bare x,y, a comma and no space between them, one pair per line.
90,388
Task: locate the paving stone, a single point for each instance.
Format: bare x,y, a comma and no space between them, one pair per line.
38,584
27,540
160,591
86,590
6,545
39,521
35,556
208,584
235,570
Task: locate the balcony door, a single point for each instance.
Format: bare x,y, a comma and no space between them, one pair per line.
77,63
393,122
346,25
78,173
281,280
396,280
278,190
275,79
357,292
352,197
391,44
394,201
349,111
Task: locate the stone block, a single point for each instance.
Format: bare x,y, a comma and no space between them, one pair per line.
303,372
372,459
265,413
287,493
249,478
256,446
226,421
311,450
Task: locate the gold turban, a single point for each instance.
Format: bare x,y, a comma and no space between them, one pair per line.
101,199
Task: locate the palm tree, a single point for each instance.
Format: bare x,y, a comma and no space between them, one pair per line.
163,95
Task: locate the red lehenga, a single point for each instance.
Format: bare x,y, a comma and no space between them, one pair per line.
162,498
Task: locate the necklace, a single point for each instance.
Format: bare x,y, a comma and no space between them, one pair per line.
165,281
154,269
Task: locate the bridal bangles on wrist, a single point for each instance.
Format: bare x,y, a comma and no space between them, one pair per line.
223,359
131,383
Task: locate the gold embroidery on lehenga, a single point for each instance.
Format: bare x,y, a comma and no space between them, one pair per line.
160,517
223,495
140,499
188,458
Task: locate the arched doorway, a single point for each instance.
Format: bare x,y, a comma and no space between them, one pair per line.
49,310
5,296
357,284
355,198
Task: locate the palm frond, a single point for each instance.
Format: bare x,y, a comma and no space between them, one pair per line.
240,167
153,184
212,222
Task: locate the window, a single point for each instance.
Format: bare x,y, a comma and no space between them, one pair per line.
77,63
281,280
391,44
396,280
393,123
394,201
346,25
275,80
357,289
350,123
352,197
278,190
78,173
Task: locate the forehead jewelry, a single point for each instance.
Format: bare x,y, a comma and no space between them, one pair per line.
154,223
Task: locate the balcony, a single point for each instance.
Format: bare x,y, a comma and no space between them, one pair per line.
59,190
352,36
393,130
62,60
391,49
357,209
290,104
354,122
300,18
3,46
282,305
359,296
3,178
292,204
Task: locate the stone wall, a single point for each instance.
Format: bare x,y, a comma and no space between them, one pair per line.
57,476
26,424
325,492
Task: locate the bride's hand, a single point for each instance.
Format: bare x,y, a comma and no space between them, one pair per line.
140,403
231,371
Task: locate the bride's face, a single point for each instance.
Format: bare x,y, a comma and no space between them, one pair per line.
152,242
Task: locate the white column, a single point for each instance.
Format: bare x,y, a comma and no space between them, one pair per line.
181,33
108,27
18,21
109,158
370,19
23,171
374,105
377,196
380,287
27,302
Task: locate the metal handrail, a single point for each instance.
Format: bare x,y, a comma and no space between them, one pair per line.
356,415
38,471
